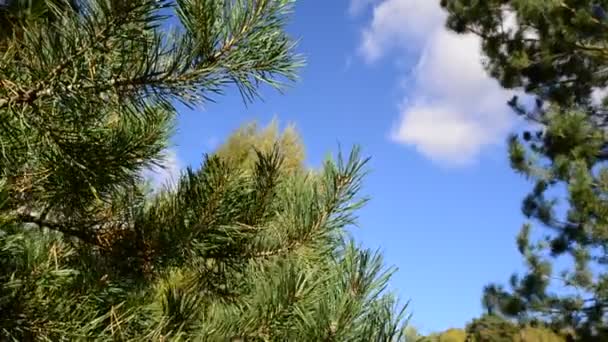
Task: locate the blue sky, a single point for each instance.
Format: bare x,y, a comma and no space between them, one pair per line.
384,74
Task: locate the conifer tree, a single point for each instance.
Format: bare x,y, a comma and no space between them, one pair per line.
556,51
231,252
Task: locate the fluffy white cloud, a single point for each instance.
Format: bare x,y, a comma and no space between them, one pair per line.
401,24
454,109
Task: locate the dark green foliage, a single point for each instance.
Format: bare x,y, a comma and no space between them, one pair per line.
556,51
231,251
86,100
491,328
15,13
200,272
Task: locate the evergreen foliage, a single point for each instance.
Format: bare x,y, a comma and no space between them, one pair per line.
232,252
555,50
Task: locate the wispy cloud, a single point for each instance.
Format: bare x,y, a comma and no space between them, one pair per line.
453,110
168,173
357,6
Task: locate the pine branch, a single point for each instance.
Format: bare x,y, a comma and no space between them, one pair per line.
341,183
179,77
80,234
43,88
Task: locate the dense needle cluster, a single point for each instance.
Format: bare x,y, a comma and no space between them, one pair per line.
233,251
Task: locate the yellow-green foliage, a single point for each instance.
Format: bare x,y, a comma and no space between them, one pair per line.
413,335
450,335
496,329
490,328
531,334
453,335
241,146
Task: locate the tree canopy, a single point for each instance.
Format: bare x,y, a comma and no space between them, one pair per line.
493,328
555,51
244,144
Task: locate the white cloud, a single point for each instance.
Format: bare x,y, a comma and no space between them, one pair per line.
598,95
438,133
168,173
399,24
453,109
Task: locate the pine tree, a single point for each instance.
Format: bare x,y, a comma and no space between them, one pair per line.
13,13
232,251
556,51
555,48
